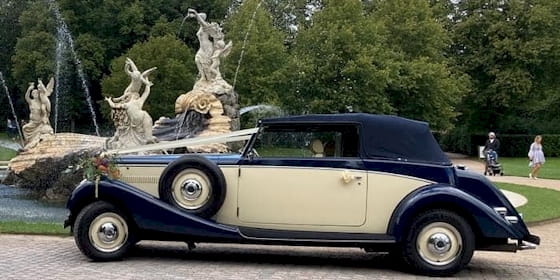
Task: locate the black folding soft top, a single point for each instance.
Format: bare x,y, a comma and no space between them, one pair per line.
382,136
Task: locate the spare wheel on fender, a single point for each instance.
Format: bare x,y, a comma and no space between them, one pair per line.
193,184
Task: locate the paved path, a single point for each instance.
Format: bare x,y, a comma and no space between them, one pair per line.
42,257
515,199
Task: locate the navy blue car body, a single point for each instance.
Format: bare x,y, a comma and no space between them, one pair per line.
452,211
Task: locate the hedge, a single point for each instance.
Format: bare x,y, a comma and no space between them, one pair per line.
511,145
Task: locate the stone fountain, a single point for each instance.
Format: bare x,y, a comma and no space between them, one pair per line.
40,163
210,108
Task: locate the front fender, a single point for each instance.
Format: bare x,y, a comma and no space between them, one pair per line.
148,212
489,223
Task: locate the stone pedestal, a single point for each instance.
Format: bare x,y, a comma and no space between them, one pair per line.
224,92
42,168
202,101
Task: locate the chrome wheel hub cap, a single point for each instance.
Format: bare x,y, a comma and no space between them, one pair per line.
191,189
439,243
107,232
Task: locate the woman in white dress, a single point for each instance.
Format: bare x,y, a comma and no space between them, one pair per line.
536,156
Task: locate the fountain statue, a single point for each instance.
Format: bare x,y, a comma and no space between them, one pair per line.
211,107
212,49
207,58
39,165
133,125
40,111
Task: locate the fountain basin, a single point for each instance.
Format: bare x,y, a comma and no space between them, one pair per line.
44,168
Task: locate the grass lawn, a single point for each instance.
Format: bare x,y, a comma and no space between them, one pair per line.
6,154
519,167
4,136
543,204
33,228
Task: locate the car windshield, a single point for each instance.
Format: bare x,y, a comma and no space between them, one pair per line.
304,141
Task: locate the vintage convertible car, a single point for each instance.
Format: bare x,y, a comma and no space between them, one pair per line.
376,182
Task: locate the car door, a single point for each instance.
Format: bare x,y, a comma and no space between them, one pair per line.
289,184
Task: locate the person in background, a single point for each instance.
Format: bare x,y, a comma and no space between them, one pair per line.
536,157
492,144
11,129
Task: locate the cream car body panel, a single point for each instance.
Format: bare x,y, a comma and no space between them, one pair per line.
142,176
302,196
386,190
260,191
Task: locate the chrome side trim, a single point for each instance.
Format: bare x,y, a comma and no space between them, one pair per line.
501,210
140,179
320,240
512,219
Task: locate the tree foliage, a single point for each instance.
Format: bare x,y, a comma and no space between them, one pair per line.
510,49
425,86
338,63
34,50
475,64
260,60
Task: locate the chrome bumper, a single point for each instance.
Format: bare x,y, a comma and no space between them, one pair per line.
529,242
526,245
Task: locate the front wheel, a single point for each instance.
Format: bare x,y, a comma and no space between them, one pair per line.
439,243
102,232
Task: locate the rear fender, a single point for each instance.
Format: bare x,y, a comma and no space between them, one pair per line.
148,212
482,217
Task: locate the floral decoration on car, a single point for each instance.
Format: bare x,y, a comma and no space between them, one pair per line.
99,165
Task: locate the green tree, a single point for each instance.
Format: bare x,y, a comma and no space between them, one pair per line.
164,27
10,28
264,55
175,73
339,63
425,87
91,52
510,49
33,58
34,51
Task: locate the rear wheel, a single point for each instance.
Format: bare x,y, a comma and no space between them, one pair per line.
439,243
102,232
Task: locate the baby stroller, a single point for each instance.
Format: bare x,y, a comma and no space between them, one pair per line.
492,166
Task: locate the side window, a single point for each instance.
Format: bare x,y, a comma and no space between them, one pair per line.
307,141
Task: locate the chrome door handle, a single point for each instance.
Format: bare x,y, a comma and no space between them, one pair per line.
347,177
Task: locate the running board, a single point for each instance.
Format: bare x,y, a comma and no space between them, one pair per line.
314,236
